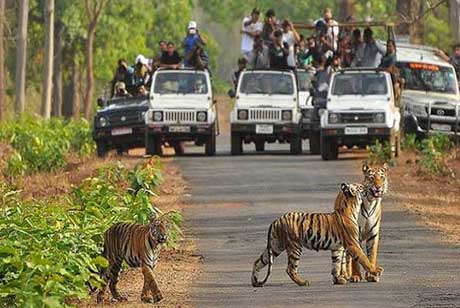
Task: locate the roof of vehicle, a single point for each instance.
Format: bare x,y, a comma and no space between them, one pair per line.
361,69
181,70
419,54
354,24
268,70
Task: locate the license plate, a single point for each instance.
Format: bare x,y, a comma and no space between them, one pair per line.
441,127
356,131
179,129
122,131
264,129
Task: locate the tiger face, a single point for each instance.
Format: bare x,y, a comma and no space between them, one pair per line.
159,231
352,192
375,180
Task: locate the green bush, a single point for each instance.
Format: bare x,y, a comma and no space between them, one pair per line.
42,145
50,251
410,143
380,153
433,153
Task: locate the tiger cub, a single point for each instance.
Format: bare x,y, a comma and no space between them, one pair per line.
334,231
138,245
375,186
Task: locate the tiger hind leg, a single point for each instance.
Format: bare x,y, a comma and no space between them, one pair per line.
294,254
101,293
150,285
114,271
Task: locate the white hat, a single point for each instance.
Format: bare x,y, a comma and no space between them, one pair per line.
142,59
192,25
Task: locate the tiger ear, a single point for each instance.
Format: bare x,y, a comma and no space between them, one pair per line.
345,188
385,167
365,168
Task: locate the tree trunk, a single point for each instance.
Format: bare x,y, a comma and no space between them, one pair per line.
2,60
455,19
48,66
346,8
76,100
57,74
410,20
21,53
89,70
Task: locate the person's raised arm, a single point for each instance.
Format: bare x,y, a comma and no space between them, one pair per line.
294,31
442,55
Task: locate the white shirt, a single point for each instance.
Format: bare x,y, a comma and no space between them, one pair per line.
289,38
332,32
247,42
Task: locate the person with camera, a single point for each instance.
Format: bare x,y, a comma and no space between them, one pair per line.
251,28
270,26
291,38
259,56
192,39
279,52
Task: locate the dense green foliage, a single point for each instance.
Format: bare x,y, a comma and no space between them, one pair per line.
49,251
43,145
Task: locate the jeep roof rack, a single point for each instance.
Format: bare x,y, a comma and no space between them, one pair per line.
182,69
269,70
361,69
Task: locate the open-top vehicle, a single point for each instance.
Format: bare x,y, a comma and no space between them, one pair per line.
266,110
119,124
182,109
361,109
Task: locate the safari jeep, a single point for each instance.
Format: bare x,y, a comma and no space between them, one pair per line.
430,96
181,109
361,109
266,110
119,124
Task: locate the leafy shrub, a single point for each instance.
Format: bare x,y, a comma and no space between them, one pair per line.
410,143
50,251
434,152
42,145
380,153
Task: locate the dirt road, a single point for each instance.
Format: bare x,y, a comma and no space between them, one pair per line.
235,200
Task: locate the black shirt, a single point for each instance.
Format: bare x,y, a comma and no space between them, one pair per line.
170,59
278,58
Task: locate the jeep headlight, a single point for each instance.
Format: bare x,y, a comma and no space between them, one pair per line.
242,114
201,116
102,122
286,115
157,116
416,109
379,117
333,118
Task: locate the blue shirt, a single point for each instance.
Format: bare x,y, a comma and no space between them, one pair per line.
190,41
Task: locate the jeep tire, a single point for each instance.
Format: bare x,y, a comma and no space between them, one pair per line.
296,144
152,145
210,145
102,148
329,149
236,144
260,145
315,143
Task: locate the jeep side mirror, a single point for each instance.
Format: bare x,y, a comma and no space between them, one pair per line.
231,93
100,102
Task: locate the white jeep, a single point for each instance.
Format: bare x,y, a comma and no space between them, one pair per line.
361,109
181,109
266,110
430,96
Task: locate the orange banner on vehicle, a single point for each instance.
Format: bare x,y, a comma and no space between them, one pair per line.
423,66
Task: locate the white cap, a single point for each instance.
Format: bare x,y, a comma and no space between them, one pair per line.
192,25
142,59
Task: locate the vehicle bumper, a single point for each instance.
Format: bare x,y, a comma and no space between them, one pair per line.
374,133
188,133
423,126
278,129
136,138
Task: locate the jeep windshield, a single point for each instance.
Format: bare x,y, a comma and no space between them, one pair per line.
180,83
267,83
123,101
304,80
360,84
428,77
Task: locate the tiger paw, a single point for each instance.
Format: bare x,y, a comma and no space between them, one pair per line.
355,278
147,299
372,278
156,298
376,272
120,298
340,280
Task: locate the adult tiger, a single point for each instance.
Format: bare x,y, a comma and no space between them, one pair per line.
334,231
138,245
375,186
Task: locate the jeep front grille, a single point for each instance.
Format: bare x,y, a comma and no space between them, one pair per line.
179,116
125,118
356,118
265,114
